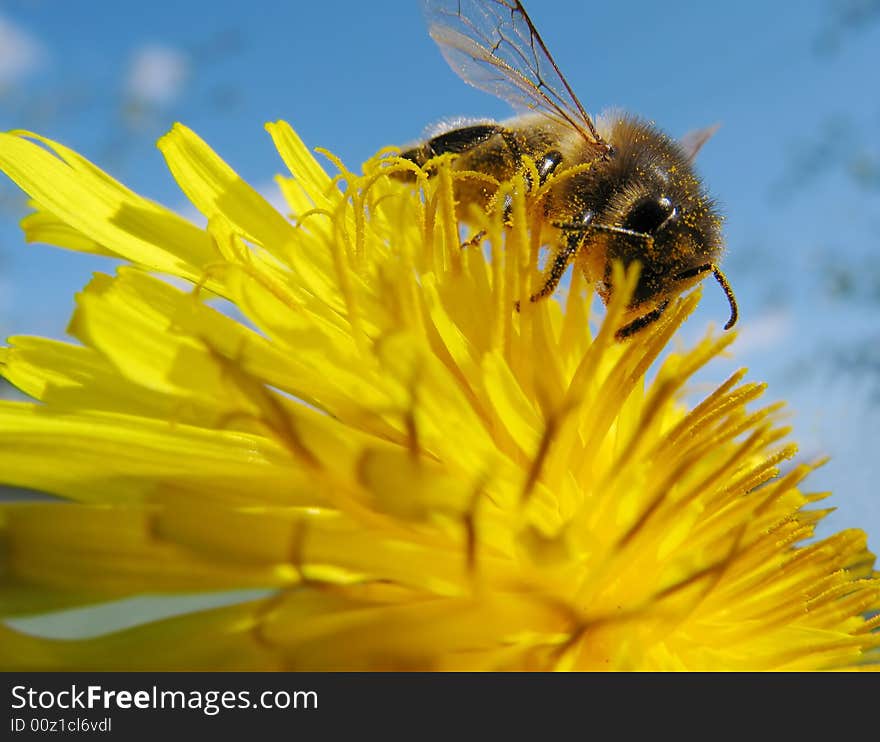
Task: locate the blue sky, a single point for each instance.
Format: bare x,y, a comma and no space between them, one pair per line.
800,116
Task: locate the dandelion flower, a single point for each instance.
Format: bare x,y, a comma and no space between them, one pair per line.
343,409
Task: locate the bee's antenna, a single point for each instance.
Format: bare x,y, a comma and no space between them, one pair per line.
734,310
642,236
722,281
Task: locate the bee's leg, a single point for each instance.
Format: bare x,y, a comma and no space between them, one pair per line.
557,269
513,145
574,239
641,322
548,164
507,211
474,241
560,263
545,166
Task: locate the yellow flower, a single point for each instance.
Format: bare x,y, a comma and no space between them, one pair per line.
346,411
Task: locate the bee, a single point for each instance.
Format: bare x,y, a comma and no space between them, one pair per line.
640,198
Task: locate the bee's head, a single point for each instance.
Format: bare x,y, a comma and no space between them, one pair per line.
671,235
659,215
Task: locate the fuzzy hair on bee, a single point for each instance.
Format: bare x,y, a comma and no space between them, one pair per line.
639,200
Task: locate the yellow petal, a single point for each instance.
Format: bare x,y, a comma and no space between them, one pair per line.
92,203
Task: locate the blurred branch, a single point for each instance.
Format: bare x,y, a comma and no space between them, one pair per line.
860,361
851,280
846,17
815,157
864,167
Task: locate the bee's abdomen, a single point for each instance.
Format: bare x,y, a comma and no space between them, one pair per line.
454,141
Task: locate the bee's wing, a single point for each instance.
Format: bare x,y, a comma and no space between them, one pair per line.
494,46
693,141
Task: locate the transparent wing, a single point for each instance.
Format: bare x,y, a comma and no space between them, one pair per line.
494,46
693,141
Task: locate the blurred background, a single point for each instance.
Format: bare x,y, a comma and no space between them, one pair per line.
796,163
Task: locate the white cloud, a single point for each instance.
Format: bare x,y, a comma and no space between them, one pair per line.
157,74
20,53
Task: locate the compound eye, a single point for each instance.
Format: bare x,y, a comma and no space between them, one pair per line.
648,215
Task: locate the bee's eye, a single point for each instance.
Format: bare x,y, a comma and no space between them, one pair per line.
649,214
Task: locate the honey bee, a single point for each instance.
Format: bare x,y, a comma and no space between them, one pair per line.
639,199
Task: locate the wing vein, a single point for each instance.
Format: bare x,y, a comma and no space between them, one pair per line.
494,46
